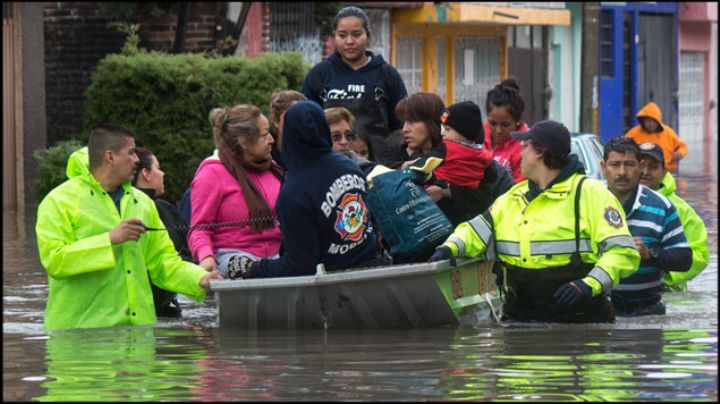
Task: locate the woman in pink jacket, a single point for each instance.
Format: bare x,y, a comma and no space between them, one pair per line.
240,183
504,107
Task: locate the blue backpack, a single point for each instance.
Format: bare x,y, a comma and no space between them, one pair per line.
411,223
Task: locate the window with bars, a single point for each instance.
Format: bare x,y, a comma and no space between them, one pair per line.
606,43
477,68
441,69
409,62
628,113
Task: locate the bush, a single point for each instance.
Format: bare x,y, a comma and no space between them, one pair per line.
165,99
51,166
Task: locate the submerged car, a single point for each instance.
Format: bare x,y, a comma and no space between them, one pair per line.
589,149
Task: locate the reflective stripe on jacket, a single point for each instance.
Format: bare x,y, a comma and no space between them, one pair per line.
92,282
541,234
696,234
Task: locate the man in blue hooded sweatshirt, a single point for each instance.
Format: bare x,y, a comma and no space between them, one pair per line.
321,207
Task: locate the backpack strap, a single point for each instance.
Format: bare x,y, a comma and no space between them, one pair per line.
576,259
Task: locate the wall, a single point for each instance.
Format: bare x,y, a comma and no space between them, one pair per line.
697,27
33,88
714,95
204,20
23,101
697,11
77,37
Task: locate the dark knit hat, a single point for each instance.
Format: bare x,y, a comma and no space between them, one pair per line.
466,119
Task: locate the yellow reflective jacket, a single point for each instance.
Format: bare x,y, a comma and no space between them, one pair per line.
696,234
541,234
92,282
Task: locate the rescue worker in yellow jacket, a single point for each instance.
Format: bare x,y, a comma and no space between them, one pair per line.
656,176
93,244
561,250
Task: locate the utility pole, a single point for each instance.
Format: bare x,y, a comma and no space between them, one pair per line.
590,76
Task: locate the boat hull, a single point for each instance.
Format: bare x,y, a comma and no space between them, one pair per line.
399,296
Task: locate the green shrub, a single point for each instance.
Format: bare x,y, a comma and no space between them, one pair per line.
165,99
51,164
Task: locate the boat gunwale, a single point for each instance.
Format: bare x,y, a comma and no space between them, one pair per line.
341,276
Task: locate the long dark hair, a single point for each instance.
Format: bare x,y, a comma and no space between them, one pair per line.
230,127
144,162
506,94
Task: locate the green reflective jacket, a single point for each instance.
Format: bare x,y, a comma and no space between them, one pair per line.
541,234
694,231
92,282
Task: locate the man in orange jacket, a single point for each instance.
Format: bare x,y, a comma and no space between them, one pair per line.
652,129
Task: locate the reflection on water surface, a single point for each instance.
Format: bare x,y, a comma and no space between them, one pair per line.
656,358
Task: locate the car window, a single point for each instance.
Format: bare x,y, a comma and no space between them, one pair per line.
576,149
589,150
599,148
595,148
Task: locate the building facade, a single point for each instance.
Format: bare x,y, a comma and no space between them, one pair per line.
638,63
697,98
24,121
462,50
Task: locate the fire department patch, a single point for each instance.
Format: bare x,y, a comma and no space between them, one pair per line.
613,217
351,217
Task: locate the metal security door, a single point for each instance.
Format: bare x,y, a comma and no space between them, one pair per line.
657,65
477,68
691,127
528,62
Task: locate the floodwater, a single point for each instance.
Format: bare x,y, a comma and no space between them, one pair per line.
656,358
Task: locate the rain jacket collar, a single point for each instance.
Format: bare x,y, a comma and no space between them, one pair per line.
667,185
574,166
79,166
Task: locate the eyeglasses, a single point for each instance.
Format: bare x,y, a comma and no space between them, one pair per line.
350,136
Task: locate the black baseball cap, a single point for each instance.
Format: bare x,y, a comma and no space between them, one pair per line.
551,135
653,150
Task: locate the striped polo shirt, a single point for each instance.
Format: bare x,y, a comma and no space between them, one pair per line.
653,218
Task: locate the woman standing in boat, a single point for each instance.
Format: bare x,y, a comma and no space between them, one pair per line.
359,80
241,183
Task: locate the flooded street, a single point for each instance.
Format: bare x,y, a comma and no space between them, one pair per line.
654,358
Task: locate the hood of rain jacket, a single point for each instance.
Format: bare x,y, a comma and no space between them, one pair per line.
651,110
93,283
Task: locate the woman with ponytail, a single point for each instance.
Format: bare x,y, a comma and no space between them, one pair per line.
504,107
239,184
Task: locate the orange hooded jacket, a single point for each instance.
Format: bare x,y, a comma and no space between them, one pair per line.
665,136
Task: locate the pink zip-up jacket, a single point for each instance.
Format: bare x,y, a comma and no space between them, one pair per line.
216,197
507,153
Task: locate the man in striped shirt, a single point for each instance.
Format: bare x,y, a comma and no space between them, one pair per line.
655,226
